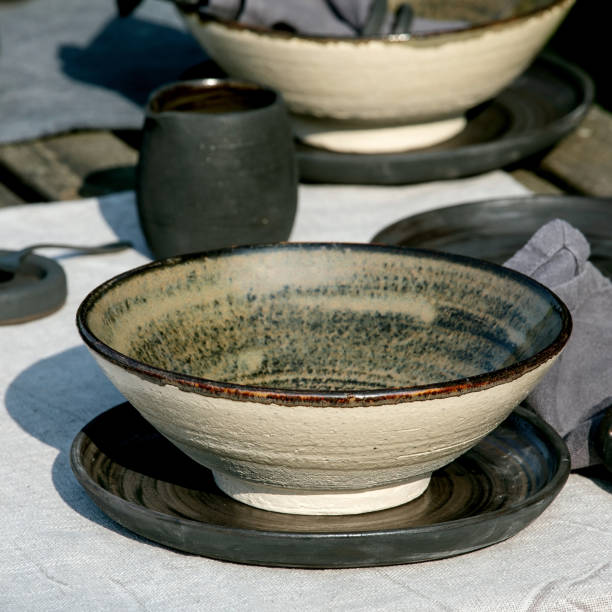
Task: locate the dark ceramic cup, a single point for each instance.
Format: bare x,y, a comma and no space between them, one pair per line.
216,168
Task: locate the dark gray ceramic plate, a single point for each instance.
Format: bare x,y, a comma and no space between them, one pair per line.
489,494
36,290
495,229
544,104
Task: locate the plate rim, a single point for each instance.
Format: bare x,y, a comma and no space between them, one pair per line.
533,200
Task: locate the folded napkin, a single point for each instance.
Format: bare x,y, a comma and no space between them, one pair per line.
575,393
325,17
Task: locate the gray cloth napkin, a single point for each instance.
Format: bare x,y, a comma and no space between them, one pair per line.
574,394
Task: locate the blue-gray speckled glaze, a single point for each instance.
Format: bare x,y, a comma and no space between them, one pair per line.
325,320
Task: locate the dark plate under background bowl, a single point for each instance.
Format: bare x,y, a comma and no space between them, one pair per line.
534,112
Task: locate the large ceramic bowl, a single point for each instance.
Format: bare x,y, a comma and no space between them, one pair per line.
390,93
323,378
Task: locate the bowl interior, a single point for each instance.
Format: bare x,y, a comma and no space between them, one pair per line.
324,317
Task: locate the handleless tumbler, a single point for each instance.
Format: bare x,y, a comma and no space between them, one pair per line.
217,167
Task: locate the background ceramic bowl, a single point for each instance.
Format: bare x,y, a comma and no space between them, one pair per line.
391,93
323,378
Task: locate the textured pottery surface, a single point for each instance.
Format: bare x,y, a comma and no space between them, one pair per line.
389,82
323,367
216,168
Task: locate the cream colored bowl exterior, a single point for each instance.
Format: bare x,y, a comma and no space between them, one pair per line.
322,448
411,81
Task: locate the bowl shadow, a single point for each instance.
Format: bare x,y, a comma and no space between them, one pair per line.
131,56
120,212
52,400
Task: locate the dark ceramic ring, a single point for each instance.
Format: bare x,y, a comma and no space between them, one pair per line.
37,289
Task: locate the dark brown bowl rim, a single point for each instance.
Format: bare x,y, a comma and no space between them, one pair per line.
354,397
391,38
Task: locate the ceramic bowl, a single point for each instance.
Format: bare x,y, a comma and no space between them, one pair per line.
372,95
323,378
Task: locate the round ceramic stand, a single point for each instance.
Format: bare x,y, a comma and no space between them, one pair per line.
37,289
328,503
139,479
360,137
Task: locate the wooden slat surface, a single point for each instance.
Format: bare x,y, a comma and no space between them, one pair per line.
8,197
583,161
84,164
71,166
534,182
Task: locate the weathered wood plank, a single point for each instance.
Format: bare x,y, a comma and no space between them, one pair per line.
583,160
72,166
535,183
8,197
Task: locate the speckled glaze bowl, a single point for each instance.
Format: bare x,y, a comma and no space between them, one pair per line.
369,95
323,378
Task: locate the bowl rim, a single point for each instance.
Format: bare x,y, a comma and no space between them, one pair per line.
348,397
204,18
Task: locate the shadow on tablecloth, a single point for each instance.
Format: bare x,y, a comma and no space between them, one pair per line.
130,56
121,215
67,66
52,400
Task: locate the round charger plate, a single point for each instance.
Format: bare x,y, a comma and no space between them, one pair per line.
540,107
144,483
495,229
36,290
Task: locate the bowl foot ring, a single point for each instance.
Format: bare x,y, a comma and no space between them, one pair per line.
359,137
338,502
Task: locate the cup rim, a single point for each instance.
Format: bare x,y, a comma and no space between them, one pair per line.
207,84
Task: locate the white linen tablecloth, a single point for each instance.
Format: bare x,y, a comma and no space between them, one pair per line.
75,64
58,551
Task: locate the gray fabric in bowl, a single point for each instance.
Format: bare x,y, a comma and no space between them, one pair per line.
349,17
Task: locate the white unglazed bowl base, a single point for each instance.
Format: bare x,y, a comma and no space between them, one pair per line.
347,137
299,501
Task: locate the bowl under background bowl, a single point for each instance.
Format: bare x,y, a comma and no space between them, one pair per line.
323,378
